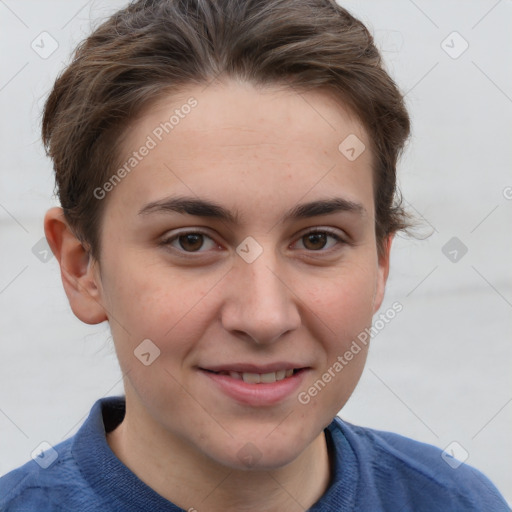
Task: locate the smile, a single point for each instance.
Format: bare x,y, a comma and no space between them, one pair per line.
259,378
256,389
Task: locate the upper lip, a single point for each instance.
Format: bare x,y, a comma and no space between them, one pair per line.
254,368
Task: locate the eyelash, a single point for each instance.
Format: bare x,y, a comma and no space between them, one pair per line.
167,242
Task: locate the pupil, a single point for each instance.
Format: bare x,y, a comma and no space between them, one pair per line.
196,240
315,238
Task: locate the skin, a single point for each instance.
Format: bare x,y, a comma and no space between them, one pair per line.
260,152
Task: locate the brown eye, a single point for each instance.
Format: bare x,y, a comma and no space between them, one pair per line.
191,241
317,240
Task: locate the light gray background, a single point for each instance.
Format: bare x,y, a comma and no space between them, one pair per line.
439,372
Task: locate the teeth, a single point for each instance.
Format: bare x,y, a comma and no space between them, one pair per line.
265,378
268,377
252,378
257,378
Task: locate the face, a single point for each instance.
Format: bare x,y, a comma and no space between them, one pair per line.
246,280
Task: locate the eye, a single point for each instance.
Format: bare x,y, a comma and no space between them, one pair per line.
189,241
192,241
316,240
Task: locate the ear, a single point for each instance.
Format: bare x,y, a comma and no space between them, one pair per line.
79,272
382,273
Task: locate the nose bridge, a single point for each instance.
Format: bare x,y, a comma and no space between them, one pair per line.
263,304
261,277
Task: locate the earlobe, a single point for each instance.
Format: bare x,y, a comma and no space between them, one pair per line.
80,281
382,274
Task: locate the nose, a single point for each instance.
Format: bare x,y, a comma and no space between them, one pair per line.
262,304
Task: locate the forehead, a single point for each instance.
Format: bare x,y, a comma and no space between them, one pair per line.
254,112
228,138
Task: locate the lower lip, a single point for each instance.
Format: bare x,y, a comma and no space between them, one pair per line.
257,394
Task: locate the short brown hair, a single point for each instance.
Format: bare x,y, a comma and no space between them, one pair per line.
154,47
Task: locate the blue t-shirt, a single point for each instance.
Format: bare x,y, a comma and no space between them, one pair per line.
372,471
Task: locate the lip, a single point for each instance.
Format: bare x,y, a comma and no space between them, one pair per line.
256,395
253,368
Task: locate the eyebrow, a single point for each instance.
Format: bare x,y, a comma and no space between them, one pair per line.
206,208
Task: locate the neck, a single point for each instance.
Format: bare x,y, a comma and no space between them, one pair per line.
188,478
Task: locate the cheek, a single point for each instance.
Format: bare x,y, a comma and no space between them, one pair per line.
345,303
343,307
155,302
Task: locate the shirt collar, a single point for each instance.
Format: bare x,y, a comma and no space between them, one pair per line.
124,491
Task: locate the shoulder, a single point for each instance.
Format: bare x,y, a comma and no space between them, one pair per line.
416,471
45,483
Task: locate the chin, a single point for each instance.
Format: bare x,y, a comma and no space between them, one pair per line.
251,458
259,452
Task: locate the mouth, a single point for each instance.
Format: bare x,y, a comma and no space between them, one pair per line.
258,378
255,386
